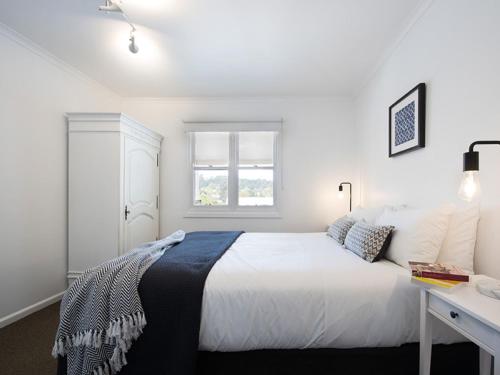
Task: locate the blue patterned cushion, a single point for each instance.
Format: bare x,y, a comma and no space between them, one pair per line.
339,229
369,241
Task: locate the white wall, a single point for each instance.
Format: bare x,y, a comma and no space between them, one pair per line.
35,93
455,49
318,153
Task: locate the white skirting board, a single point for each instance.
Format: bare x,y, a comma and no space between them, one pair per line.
11,318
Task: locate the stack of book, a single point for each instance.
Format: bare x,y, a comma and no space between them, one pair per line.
442,276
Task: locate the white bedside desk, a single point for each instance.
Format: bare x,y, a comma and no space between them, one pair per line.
475,316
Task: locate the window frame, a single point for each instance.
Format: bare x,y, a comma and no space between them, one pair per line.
233,209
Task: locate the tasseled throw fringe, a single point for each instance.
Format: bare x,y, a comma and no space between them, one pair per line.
120,333
103,369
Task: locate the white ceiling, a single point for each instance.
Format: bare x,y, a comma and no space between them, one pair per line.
219,47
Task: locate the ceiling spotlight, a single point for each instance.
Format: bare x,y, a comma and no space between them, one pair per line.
133,46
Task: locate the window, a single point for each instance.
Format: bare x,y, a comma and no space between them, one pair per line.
234,173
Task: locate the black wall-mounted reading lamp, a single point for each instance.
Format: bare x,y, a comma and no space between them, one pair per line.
341,193
469,187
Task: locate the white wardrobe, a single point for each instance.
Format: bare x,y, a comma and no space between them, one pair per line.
113,187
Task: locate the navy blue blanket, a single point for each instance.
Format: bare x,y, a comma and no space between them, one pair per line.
171,293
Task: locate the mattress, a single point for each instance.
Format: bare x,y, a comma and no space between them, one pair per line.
303,290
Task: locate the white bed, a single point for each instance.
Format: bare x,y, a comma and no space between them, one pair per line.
297,291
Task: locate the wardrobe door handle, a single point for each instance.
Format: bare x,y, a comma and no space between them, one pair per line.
453,314
127,212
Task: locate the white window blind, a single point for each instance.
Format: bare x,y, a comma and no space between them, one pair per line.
211,149
256,149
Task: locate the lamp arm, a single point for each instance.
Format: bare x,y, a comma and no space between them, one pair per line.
471,147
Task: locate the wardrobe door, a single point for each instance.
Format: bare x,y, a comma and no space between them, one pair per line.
141,189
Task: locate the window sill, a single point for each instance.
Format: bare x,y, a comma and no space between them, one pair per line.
242,214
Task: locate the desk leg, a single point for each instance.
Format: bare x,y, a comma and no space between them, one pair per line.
425,334
496,360
484,362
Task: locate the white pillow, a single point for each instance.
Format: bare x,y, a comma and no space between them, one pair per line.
460,241
418,233
368,215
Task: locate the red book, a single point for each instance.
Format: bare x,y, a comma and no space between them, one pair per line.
438,271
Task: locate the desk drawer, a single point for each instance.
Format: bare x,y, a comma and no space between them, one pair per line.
463,322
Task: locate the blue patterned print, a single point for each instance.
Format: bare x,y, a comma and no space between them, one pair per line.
404,127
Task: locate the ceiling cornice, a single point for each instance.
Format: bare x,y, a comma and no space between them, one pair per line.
335,98
36,49
419,12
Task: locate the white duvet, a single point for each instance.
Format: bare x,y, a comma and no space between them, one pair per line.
296,291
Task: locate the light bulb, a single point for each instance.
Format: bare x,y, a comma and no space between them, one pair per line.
132,46
469,187
341,195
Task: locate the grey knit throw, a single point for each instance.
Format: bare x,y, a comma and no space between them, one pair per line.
101,312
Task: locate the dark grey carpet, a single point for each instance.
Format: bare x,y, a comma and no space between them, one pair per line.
25,345
25,348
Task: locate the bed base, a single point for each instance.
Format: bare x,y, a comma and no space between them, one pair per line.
455,359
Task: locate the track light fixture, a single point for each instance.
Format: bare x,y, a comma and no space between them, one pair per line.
116,7
110,6
132,46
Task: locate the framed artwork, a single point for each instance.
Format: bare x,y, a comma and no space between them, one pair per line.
407,122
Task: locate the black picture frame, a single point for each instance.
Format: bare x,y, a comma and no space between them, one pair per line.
418,95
